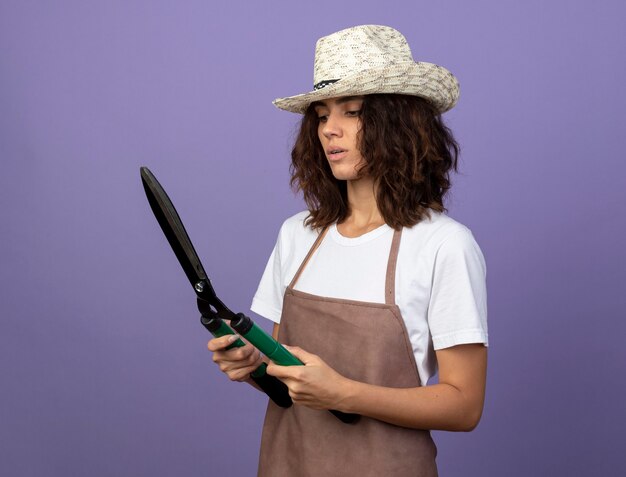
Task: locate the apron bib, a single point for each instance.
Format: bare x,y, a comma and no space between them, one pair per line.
363,341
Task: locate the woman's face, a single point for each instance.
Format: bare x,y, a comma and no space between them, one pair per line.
338,128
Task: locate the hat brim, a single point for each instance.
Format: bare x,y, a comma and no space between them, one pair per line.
427,80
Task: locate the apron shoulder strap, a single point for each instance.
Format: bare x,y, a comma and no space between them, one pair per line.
390,280
316,244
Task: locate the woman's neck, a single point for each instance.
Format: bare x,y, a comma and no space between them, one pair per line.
364,215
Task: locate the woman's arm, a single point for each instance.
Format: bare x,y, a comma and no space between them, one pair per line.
454,404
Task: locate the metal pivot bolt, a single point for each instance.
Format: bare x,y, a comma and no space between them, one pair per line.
199,286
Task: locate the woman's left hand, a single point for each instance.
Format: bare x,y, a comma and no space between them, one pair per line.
315,385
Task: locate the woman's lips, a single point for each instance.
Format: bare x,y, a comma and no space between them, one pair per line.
336,154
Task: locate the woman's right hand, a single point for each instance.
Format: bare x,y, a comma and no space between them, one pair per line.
237,363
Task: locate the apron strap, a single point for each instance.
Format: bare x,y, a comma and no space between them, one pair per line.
390,280
316,244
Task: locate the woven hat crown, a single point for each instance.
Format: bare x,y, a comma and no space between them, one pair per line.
358,49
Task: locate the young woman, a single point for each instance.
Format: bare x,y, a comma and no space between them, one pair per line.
373,287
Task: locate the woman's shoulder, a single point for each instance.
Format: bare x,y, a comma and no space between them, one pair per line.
295,231
296,220
295,225
442,240
437,229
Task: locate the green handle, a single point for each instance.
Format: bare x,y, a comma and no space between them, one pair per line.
224,330
263,341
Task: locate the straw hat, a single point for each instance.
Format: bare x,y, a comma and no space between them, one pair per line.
371,59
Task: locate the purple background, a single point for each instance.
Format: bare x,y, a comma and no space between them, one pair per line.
103,362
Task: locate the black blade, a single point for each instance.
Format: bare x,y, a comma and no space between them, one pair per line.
172,227
180,242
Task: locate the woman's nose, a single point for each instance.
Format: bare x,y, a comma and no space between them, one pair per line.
332,126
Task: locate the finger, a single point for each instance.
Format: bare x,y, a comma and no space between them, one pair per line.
237,358
240,375
283,372
239,353
302,399
276,370
304,356
222,342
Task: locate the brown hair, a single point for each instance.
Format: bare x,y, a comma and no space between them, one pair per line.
407,149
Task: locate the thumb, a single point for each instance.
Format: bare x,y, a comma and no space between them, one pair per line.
304,356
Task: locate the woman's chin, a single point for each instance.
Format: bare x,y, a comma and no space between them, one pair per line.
344,173
345,177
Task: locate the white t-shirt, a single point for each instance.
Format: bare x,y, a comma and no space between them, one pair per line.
440,279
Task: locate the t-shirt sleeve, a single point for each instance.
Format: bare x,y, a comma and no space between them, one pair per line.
268,299
457,312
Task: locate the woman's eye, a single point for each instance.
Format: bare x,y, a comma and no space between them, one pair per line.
322,119
356,112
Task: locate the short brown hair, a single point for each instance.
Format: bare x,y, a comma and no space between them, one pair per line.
407,149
